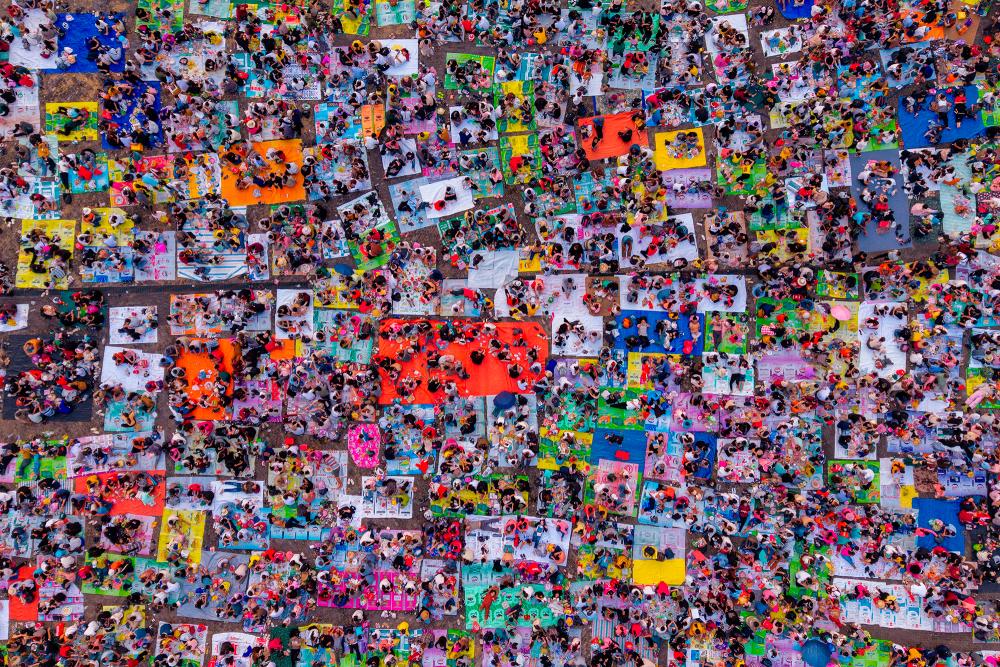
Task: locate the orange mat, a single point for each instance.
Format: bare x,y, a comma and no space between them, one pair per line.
130,505
194,364
612,145
285,350
236,197
372,119
487,379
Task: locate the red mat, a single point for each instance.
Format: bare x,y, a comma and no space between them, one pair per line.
612,145
18,610
487,379
129,505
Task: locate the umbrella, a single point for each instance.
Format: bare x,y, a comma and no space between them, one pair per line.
503,400
842,313
816,653
344,269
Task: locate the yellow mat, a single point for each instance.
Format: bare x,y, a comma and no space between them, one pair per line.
667,159
55,120
185,529
65,231
652,572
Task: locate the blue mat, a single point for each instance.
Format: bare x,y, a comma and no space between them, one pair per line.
627,339
134,117
791,12
913,127
705,461
947,511
633,443
870,239
78,31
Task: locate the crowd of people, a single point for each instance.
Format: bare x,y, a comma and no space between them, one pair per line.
533,332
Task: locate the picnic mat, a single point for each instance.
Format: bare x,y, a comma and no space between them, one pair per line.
492,380
200,369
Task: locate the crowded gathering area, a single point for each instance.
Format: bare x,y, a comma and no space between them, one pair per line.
499,333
